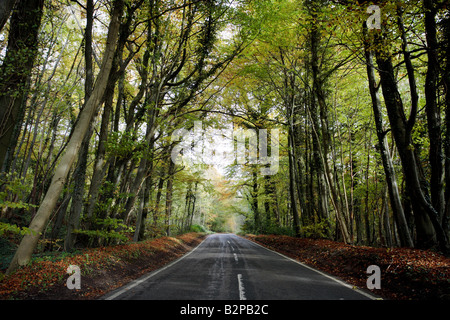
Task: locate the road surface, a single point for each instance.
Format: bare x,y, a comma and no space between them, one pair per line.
228,267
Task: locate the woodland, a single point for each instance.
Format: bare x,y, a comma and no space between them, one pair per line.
93,95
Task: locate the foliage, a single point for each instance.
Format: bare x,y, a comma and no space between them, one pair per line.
13,189
109,228
199,229
7,227
316,230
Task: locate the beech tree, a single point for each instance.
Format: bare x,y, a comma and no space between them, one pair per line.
16,69
29,242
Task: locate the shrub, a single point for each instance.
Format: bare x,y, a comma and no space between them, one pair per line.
198,228
316,230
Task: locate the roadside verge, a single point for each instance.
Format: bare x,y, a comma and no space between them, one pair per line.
102,269
406,274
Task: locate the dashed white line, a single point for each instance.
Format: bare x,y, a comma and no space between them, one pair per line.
241,288
235,257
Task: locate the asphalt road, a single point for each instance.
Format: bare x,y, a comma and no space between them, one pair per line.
228,267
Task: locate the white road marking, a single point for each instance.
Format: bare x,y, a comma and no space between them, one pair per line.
324,274
136,282
235,257
241,288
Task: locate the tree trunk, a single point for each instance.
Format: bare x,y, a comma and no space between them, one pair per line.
317,111
292,188
254,192
401,129
140,218
80,170
73,221
433,112
446,82
169,193
391,180
16,70
6,6
158,200
37,225
99,164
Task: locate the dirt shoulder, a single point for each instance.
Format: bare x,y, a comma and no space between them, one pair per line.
102,269
406,274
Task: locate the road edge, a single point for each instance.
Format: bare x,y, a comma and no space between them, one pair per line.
121,290
361,291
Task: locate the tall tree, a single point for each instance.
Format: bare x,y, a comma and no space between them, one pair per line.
402,127
446,84
15,72
391,180
432,110
37,225
80,170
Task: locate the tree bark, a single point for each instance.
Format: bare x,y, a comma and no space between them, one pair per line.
255,202
158,200
169,193
292,188
16,70
446,82
140,218
401,129
433,112
6,6
391,180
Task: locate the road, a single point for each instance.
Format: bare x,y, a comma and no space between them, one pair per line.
228,267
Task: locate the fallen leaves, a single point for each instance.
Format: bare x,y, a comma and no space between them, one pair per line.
102,269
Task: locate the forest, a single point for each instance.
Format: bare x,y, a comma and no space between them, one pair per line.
126,120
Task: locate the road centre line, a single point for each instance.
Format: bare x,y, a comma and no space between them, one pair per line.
241,288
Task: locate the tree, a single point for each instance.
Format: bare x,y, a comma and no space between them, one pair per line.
15,72
392,186
37,225
401,128
5,8
80,170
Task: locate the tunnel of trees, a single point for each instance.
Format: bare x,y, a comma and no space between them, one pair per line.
97,98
